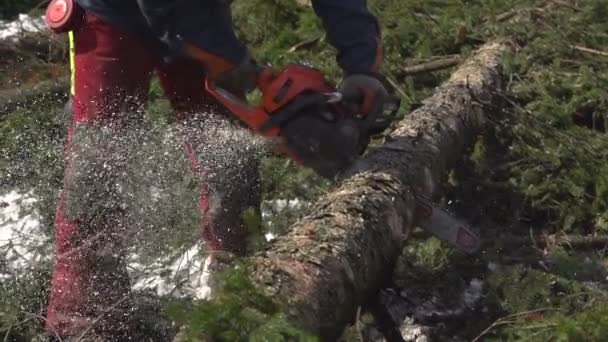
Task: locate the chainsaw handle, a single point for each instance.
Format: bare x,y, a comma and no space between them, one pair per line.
253,117
383,114
384,110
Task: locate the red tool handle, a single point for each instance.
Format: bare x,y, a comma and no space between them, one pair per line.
63,15
254,117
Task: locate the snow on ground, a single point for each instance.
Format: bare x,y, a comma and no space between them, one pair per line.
23,245
23,23
274,208
187,275
270,237
472,294
278,205
22,242
412,331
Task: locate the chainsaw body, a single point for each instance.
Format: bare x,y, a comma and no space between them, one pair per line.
308,115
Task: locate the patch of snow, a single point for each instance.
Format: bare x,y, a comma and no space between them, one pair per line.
412,332
270,237
282,204
472,293
23,23
188,275
22,242
203,289
155,194
277,206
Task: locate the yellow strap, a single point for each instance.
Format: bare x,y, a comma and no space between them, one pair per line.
72,63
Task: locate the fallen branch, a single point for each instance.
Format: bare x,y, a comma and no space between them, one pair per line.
511,319
335,258
307,44
565,4
588,50
507,15
435,65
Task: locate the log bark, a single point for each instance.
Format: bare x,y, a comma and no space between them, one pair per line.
335,258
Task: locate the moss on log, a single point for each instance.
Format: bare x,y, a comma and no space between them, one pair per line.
335,258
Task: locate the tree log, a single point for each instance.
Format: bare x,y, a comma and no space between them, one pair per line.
335,258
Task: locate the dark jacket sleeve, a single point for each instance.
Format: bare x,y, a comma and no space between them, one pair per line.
204,24
354,32
160,18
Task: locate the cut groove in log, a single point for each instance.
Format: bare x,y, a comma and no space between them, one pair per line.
335,258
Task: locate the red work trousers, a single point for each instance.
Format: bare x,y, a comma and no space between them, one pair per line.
113,70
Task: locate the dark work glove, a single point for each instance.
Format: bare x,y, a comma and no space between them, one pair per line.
363,92
241,79
370,96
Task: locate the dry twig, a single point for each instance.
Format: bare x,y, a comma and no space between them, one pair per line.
565,4
434,65
306,44
510,319
589,50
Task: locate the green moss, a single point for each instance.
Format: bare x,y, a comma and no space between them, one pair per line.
239,312
253,221
296,187
22,304
561,174
426,266
578,267
521,289
542,306
590,325
431,254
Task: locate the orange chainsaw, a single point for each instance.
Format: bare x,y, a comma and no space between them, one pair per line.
313,120
319,131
